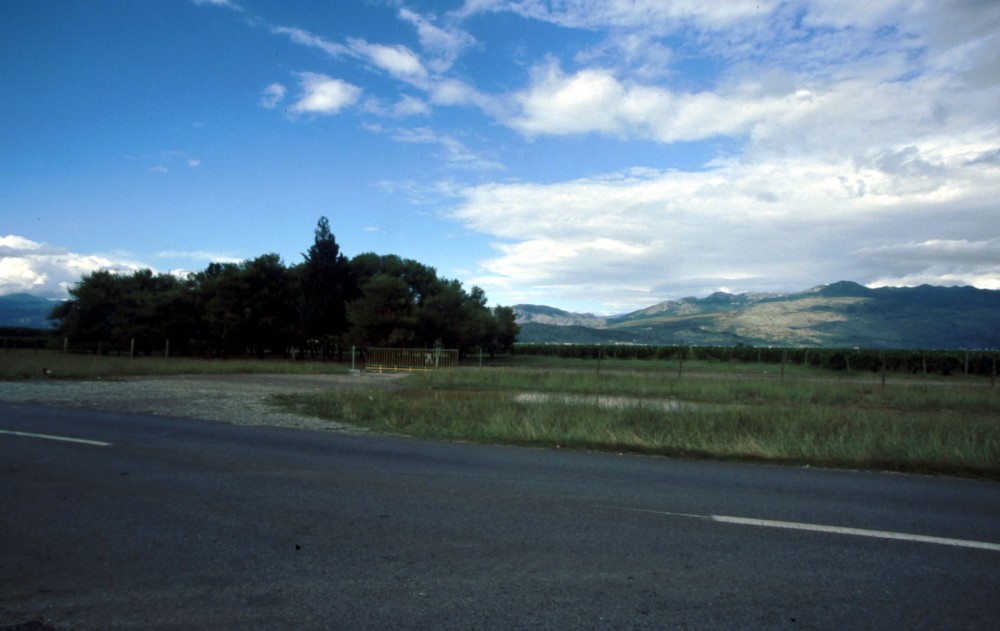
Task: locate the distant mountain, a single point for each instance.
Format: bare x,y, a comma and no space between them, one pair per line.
550,315
843,314
26,311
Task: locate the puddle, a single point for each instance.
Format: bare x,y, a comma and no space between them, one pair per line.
604,401
598,400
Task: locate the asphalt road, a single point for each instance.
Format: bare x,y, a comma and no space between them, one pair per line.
164,523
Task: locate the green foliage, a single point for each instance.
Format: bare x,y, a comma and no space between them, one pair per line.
404,303
327,286
260,307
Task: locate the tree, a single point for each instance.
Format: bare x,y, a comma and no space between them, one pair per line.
249,307
383,314
405,302
91,315
503,330
326,287
111,310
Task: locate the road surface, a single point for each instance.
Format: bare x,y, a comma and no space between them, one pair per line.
124,521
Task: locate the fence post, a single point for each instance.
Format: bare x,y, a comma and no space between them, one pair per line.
65,345
883,368
131,349
600,351
166,351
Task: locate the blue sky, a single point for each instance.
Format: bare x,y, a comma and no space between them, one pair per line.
592,155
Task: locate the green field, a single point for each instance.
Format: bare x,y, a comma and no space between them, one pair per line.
797,415
712,410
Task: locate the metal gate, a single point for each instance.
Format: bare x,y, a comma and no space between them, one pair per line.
409,359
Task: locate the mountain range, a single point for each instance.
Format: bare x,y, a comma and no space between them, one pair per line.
843,314
25,311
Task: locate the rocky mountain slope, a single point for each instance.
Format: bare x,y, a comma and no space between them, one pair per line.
843,314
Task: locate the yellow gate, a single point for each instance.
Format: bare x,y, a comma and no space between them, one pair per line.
410,359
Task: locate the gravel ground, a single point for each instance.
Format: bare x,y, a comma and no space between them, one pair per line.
236,399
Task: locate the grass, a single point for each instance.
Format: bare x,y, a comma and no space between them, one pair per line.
713,410
909,426
28,364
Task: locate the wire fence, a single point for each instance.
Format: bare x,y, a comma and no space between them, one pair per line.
409,359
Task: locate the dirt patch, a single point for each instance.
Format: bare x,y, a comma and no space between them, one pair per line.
236,399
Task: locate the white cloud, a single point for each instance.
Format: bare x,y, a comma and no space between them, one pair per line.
410,106
399,61
229,4
594,101
629,13
321,94
311,40
628,239
444,44
47,271
455,153
204,256
272,95
936,262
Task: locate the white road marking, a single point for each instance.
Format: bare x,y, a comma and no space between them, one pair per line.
66,439
838,530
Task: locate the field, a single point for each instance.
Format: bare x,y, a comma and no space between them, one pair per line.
796,415
705,410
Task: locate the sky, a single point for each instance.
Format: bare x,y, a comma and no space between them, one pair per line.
593,155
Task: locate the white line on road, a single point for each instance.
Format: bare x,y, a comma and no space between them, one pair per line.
66,439
859,532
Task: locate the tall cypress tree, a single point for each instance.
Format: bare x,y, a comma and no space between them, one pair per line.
326,287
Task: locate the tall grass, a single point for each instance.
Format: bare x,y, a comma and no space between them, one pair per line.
917,428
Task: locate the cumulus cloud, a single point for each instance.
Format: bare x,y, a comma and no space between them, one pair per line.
325,95
628,239
47,271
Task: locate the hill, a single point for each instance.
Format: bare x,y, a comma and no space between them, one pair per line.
25,311
844,314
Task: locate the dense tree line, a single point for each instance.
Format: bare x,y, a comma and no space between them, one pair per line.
941,362
261,306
